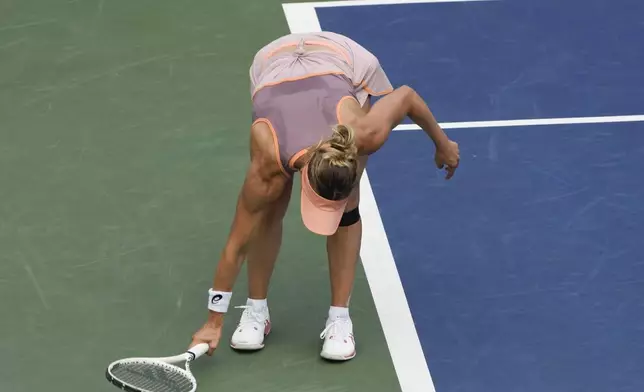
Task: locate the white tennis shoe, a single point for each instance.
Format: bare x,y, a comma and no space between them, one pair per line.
254,325
339,343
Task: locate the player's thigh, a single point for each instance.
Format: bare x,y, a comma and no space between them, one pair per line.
280,206
354,198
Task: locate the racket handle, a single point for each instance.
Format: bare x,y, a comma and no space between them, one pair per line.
198,350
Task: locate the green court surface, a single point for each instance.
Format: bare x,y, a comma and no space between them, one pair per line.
123,144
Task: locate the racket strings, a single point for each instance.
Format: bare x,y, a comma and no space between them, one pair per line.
153,377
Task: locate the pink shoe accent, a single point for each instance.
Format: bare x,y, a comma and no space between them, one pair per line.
267,327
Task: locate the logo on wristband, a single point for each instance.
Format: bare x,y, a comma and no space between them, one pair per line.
216,298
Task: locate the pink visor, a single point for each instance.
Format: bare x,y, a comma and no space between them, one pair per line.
319,215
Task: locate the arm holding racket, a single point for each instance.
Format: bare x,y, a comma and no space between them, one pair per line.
263,184
390,111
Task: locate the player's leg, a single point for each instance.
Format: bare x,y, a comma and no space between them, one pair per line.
343,249
255,322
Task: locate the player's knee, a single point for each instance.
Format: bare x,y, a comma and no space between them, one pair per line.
350,218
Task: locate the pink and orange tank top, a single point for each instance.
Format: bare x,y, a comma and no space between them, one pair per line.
298,82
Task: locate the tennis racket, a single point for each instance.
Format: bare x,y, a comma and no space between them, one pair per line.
156,374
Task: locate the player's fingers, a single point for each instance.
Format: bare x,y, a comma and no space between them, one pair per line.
197,339
213,346
450,172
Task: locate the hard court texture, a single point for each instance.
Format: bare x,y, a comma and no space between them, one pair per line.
123,144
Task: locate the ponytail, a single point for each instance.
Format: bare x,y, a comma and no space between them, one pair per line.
333,167
341,150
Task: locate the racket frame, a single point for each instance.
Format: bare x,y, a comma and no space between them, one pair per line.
167,362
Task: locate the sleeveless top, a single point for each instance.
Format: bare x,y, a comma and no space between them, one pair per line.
298,82
301,113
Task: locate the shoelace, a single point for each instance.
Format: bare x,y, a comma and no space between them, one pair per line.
340,327
250,317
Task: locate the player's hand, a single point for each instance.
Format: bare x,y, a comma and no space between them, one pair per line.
209,333
447,157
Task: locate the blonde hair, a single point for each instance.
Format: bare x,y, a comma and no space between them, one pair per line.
333,164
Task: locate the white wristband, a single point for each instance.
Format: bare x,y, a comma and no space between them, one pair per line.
218,301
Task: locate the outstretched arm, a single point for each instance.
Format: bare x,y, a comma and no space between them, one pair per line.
257,195
263,185
390,111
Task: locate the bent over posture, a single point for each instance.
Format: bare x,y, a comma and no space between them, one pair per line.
311,114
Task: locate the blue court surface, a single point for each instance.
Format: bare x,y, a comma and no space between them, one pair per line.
524,273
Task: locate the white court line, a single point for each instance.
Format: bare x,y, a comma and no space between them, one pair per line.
349,3
378,262
529,122
301,17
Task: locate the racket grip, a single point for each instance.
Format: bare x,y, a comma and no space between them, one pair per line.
198,350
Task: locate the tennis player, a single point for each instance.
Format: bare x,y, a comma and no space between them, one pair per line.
312,115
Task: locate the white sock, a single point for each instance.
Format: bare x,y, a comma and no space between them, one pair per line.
336,312
257,303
